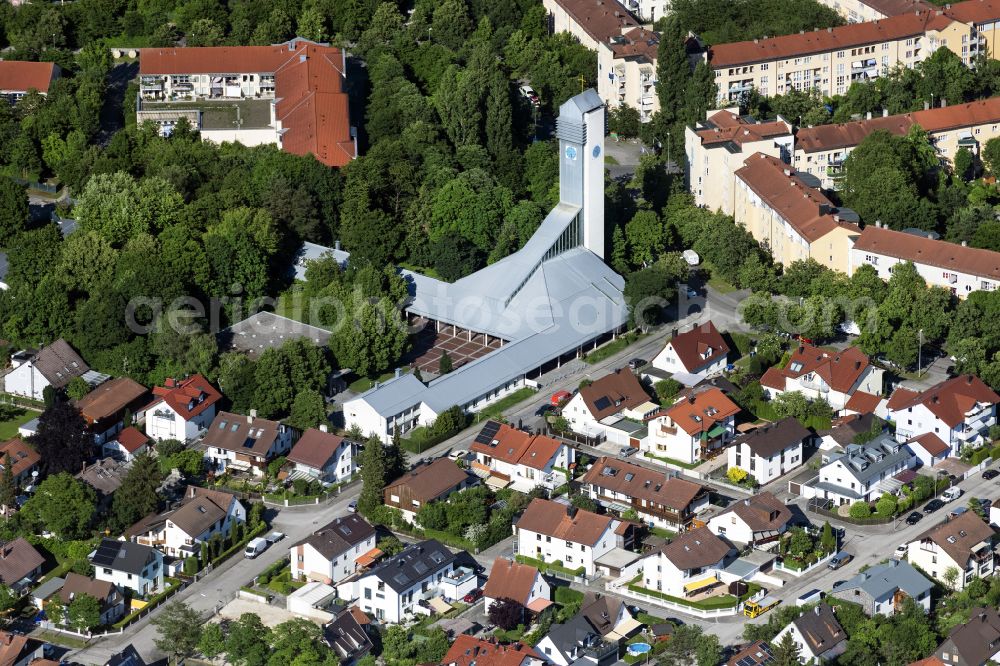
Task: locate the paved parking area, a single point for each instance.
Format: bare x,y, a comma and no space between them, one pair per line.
270,615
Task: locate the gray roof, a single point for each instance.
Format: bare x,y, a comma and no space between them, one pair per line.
58,363
312,251
415,563
577,106
571,634
123,556
867,462
265,330
346,637
339,536
883,580
48,588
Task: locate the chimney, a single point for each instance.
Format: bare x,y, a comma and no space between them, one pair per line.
336,244
829,29
398,373
571,511
927,105
746,502
324,427
816,610
756,41
965,243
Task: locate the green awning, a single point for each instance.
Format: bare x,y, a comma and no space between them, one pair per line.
716,431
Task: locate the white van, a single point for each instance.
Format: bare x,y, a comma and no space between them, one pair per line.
952,493
255,547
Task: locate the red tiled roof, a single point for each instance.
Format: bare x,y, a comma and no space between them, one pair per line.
863,403
555,520
729,127
21,76
805,208
930,443
921,250
132,439
510,579
516,447
315,448
949,400
216,59
470,651
188,397
699,346
700,412
21,455
840,370
894,7
601,19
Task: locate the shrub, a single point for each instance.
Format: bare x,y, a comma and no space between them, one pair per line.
736,474
191,565
886,505
567,595
860,510
980,455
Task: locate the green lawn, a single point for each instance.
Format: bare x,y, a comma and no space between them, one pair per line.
608,159
671,461
8,429
662,533
716,282
609,349
497,409
58,638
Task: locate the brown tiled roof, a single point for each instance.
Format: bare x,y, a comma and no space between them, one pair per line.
939,253
930,443
315,448
637,43
820,629
726,127
110,398
188,397
563,522
132,439
929,661
516,447
643,483
701,345
76,585
198,514
601,612
757,653
12,647
613,393
700,412
773,438
231,431
18,558
19,75
510,579
863,402
215,59
338,536
894,7
957,536
59,363
976,640
21,455
846,428
948,400
805,208
830,39
431,480
840,370
601,19
761,512
694,549
468,650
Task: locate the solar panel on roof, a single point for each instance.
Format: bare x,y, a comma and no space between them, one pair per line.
488,432
602,403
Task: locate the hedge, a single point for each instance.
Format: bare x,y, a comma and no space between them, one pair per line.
567,595
546,566
226,554
153,603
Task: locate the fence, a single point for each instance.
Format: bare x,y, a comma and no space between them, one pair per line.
310,500
682,608
780,566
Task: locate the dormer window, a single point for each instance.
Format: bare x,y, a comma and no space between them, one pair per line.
795,367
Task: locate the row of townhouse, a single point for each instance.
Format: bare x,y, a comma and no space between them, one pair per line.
829,60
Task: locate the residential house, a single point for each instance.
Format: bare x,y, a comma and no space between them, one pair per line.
720,145
862,472
668,502
975,643
104,476
994,514
696,428
820,374
753,521
291,94
606,401
700,352
347,637
403,585
556,533
959,410
964,544
106,406
244,443
129,565
576,643
202,514
771,450
521,582
689,564
54,365
845,430
129,443
817,634
111,600
511,457
18,77
609,616
929,448
958,268
758,653
882,588
181,409
20,564
23,458
784,211
16,649
860,11
471,651
322,456
330,554
429,482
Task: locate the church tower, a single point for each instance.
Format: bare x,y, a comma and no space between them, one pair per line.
580,129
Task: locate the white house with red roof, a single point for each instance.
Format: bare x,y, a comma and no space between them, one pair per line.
557,533
597,408
181,408
695,428
929,448
700,352
521,582
129,443
831,375
323,456
506,456
959,411
17,77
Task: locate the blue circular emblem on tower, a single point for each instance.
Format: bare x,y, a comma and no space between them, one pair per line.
597,151
571,152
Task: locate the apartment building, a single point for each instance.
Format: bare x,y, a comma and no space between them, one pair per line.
769,451
17,77
696,428
957,268
626,52
860,11
790,217
718,146
964,543
555,533
688,565
960,411
829,60
860,473
820,151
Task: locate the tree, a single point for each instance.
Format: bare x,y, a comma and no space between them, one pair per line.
308,410
648,290
8,488
828,541
62,505
54,608
213,641
886,505
506,613
800,543
860,510
646,237
667,390
77,388
390,545
373,475
248,641
673,70
137,495
299,641
950,577
786,651
13,210
624,121
84,612
444,363
991,155
62,439
179,628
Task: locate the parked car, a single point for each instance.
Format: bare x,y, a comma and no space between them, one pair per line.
914,518
985,503
933,506
560,397
839,560
255,547
528,93
461,454
810,597
989,474
636,363
952,493
690,292
627,451
473,596
543,410
900,552
275,537
352,506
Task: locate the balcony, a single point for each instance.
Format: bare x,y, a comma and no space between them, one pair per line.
835,171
